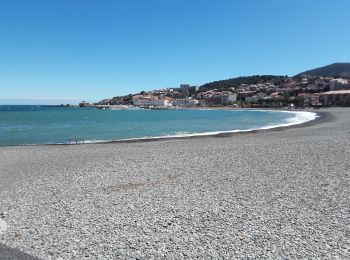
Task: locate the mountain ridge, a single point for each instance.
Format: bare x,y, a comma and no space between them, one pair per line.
341,69
226,84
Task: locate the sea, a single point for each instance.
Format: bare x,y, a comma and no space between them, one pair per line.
33,125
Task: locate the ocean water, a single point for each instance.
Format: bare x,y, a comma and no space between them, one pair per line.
22,125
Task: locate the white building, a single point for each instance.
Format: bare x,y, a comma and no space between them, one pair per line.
338,84
147,101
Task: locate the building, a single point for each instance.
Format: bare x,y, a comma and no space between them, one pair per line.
184,88
339,84
256,97
228,97
220,98
149,101
307,100
185,102
214,99
333,85
335,98
244,94
314,100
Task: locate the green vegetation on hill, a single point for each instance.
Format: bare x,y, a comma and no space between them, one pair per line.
332,70
250,80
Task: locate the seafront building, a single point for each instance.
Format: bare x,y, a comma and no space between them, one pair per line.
185,102
308,100
303,91
150,101
215,97
335,98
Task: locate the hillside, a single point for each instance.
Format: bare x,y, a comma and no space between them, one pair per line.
235,82
332,70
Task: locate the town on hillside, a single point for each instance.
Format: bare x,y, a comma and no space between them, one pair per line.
248,92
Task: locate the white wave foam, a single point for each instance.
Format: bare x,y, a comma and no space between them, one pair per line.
299,118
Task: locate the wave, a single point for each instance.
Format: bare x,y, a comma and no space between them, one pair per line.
299,118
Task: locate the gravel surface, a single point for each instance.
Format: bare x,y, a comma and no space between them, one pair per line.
282,194
7,253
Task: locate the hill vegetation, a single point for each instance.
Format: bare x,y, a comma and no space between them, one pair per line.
333,70
250,80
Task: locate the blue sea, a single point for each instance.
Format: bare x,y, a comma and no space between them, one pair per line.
23,125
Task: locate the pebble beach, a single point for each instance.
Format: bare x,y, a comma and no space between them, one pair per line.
273,194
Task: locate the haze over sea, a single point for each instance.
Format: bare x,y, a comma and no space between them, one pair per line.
49,125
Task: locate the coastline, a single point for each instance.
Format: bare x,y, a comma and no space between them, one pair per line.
282,193
319,116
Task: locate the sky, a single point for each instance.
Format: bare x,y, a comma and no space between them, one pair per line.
66,51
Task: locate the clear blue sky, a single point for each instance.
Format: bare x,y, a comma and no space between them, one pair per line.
70,50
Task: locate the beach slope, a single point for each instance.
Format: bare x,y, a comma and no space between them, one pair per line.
281,194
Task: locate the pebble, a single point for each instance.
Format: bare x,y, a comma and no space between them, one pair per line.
271,195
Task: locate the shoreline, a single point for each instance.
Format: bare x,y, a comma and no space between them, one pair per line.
282,193
319,117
